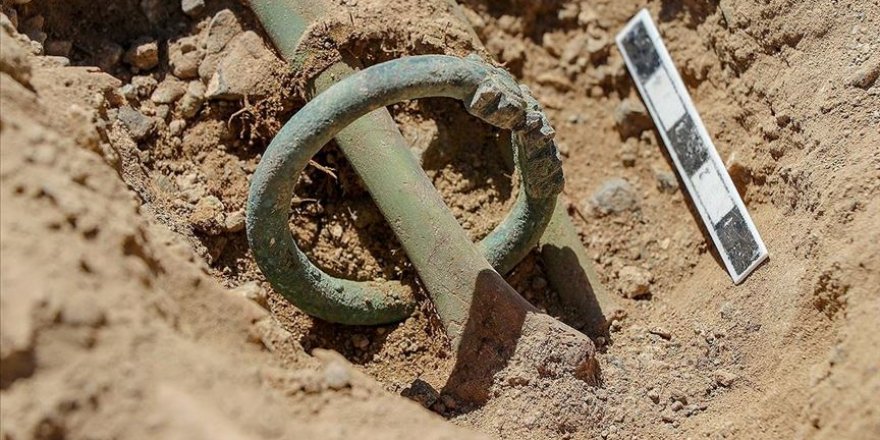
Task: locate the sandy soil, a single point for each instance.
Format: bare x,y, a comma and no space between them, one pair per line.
132,308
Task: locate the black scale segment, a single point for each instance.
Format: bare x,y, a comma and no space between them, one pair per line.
688,144
737,240
641,52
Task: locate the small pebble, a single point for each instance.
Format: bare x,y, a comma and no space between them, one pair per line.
632,118
144,85
666,181
222,27
336,375
154,10
162,111
208,216
129,92
724,378
107,55
192,8
168,91
727,310
634,282
192,100
661,332
143,54
867,75
563,149
336,231
629,152
245,62
138,125
184,58
614,196
33,28
235,222
176,127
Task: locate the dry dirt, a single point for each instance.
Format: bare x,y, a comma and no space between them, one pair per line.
132,308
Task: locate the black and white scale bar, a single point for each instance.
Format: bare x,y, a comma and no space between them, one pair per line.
690,147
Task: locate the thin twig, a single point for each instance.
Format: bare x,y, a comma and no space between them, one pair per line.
329,171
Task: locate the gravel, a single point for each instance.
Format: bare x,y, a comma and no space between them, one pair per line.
666,181
192,8
108,55
138,125
208,216
192,99
634,282
168,91
184,58
632,118
143,54
614,196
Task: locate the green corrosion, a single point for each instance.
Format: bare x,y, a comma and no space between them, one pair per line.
377,150
488,93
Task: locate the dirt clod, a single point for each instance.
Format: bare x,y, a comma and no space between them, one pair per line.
184,57
138,125
336,375
245,69
867,75
168,91
634,282
632,118
193,8
107,55
208,216
193,99
614,196
143,54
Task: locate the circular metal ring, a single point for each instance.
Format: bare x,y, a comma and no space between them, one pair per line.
488,92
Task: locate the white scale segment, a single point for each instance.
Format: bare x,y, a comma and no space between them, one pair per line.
690,147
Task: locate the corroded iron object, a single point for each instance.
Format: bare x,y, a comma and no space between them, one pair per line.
487,92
